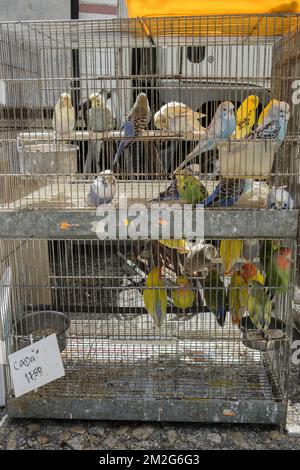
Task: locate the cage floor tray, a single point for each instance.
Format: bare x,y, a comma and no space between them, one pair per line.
70,194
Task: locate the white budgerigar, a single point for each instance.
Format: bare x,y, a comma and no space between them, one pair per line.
279,198
179,118
102,189
63,121
99,119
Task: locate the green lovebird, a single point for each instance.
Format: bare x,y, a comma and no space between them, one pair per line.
278,271
259,305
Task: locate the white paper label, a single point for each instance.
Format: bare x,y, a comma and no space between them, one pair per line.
36,365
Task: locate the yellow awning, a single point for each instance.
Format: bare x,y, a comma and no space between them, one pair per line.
151,8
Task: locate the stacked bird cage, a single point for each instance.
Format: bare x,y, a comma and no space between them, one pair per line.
158,241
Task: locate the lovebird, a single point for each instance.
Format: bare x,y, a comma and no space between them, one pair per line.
221,127
183,296
245,117
259,306
155,296
250,273
136,122
237,297
274,124
99,119
190,188
278,270
63,120
200,258
179,118
226,194
102,189
230,254
215,296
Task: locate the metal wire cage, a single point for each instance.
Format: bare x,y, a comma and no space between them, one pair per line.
186,66
119,363
99,117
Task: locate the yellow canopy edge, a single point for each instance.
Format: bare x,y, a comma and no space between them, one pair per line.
151,8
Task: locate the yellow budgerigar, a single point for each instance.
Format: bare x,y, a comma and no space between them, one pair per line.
230,253
237,297
183,296
245,117
265,112
155,296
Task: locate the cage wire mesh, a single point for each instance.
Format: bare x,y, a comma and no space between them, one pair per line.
199,110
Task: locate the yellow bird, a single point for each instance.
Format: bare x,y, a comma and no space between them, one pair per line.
179,245
155,296
245,117
251,273
230,253
183,296
237,297
265,111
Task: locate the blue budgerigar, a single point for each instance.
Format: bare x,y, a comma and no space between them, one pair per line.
221,127
226,194
102,189
274,124
136,122
99,119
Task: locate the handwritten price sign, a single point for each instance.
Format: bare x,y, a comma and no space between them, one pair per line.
36,365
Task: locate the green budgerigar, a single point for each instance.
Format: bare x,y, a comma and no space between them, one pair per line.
259,306
190,188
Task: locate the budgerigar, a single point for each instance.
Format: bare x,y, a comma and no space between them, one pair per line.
245,117
86,105
183,295
279,198
274,124
230,254
237,297
226,194
190,188
200,258
259,306
179,118
99,119
155,296
278,271
250,273
136,122
215,296
63,120
265,111
221,127
102,189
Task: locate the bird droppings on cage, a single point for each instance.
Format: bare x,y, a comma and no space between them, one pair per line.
100,120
